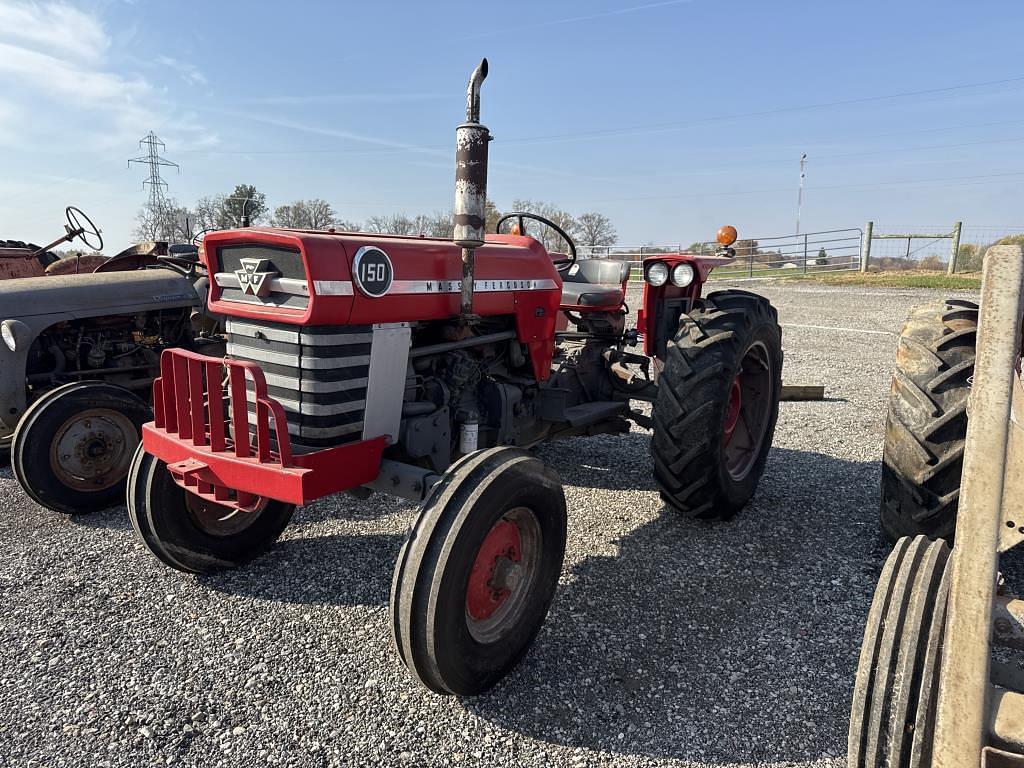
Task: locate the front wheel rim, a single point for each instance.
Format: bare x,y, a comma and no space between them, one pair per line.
748,411
221,520
504,574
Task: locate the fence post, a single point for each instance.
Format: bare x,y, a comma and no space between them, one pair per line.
954,248
805,253
865,246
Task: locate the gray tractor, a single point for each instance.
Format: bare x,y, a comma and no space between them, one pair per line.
78,355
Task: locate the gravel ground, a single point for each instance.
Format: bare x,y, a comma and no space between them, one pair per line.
670,642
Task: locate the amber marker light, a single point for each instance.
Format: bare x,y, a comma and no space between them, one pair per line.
726,235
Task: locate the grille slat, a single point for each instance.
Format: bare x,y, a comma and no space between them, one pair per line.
318,374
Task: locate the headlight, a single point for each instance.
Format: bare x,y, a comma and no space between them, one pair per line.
657,274
682,274
7,333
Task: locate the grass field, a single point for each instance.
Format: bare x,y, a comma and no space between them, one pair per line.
897,279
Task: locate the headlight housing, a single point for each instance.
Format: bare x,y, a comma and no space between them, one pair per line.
682,274
657,274
7,334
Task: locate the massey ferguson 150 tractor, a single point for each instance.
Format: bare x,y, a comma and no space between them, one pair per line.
423,368
929,690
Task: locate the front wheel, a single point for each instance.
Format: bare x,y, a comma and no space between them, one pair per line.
73,446
192,534
477,574
717,403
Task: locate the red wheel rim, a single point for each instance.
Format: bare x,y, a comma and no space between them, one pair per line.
748,411
732,410
495,566
502,578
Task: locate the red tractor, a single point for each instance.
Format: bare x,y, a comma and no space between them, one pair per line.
424,368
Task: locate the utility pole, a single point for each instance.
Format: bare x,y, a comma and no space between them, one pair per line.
157,203
800,194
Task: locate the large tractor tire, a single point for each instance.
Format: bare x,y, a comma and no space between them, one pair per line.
476,576
74,445
892,721
192,534
926,424
718,400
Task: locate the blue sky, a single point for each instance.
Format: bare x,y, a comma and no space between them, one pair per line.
671,117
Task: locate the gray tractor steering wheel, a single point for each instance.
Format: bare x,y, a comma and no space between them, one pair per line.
75,218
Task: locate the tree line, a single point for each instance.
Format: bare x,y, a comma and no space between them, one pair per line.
178,223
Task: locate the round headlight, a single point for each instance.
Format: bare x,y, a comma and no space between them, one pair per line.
657,274
682,274
7,333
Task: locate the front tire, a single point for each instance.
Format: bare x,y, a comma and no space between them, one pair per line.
892,719
74,445
476,576
717,404
926,424
194,535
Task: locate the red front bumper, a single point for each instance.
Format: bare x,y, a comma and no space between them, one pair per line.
189,433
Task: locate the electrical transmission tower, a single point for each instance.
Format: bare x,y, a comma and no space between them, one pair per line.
157,204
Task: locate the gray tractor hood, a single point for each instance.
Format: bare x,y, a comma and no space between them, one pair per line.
33,304
92,295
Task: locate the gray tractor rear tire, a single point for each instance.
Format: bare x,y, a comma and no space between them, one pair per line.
927,420
690,446
892,720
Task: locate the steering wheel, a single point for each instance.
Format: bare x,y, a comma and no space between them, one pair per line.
75,217
197,238
562,265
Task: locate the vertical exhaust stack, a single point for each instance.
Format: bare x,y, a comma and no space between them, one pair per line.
471,184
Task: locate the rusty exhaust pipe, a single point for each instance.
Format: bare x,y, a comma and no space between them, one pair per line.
471,140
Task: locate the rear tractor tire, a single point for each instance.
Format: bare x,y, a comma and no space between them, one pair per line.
892,720
717,404
926,425
74,445
474,580
192,534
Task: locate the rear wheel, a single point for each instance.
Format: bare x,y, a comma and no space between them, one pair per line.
926,425
477,574
892,721
717,403
73,446
192,534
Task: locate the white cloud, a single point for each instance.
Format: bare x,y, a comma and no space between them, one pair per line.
55,65
56,27
190,73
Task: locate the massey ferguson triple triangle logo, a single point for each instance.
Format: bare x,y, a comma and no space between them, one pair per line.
255,275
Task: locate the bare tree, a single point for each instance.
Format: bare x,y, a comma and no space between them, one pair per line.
305,214
551,240
595,229
393,224
170,223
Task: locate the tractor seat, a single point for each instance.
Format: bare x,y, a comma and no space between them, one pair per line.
595,284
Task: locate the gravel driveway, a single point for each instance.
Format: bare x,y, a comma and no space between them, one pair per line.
670,642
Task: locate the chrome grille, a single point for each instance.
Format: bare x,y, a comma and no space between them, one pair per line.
317,373
288,288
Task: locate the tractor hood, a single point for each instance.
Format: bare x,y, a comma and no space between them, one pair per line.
95,294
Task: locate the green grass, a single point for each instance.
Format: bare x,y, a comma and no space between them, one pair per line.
897,279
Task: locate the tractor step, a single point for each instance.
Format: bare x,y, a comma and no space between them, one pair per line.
585,414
